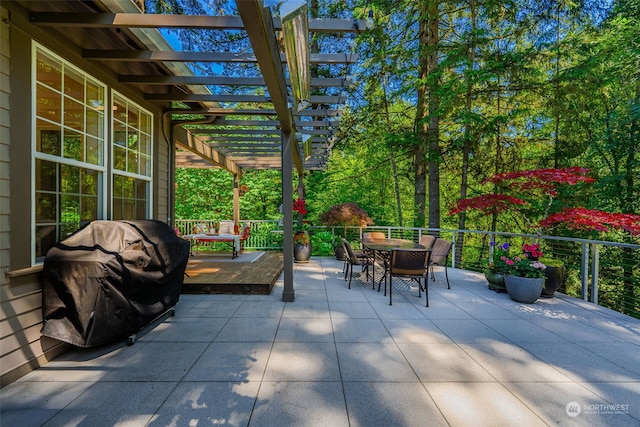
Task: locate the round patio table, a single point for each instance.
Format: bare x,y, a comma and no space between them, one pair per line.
383,249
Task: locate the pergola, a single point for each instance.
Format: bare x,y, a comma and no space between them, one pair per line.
235,132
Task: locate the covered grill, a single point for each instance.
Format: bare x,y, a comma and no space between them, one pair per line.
110,279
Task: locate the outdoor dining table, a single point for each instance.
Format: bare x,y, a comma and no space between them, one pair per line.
204,238
383,249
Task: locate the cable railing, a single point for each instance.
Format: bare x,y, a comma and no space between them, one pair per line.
602,272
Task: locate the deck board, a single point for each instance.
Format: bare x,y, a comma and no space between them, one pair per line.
213,276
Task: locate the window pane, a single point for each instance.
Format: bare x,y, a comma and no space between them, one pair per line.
45,239
119,158
90,181
145,165
132,140
46,175
119,109
48,138
119,134
70,205
45,207
74,85
145,123
89,208
132,161
95,96
70,179
127,188
73,114
132,117
48,104
129,209
49,71
145,144
95,123
141,210
73,148
94,151
117,209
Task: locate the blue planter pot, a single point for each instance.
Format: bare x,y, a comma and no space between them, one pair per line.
524,289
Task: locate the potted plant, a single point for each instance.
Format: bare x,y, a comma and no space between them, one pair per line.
301,239
524,277
555,276
497,267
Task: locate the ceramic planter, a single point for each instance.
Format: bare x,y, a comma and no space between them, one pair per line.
524,289
555,277
496,280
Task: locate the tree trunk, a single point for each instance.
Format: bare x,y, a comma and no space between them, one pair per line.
427,149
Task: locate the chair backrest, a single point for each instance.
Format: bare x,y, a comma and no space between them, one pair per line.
226,227
353,258
245,232
427,240
372,236
440,251
409,262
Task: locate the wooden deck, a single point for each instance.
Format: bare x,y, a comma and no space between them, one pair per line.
208,274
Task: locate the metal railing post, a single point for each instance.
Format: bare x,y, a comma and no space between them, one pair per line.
595,267
584,272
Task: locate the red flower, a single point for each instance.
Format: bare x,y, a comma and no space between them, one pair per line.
299,206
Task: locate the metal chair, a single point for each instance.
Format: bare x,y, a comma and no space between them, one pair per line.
439,256
409,264
372,236
353,258
427,240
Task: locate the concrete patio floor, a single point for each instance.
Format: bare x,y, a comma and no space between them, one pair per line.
344,357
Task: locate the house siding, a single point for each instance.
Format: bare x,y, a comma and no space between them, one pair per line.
22,347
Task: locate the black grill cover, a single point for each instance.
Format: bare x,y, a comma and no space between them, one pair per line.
110,279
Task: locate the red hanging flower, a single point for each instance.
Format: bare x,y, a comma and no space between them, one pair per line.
299,206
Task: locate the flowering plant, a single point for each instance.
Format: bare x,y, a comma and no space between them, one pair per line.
301,238
299,206
524,265
532,251
500,254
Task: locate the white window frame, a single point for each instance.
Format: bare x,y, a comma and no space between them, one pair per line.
102,169
117,172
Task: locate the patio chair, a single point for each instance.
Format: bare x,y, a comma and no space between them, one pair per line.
353,258
439,256
373,236
246,232
409,264
427,240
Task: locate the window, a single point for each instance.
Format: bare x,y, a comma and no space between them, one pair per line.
131,160
69,165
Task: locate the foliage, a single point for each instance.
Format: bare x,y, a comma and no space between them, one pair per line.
346,214
544,183
321,243
591,219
